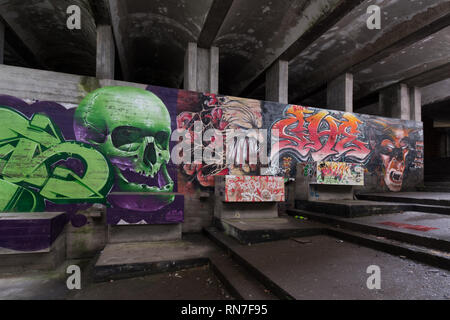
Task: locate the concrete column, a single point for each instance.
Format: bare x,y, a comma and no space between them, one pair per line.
106,52
277,79
201,69
340,93
2,42
395,102
415,103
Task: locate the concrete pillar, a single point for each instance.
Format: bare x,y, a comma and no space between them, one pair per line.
395,102
415,103
277,78
340,93
2,42
201,69
106,52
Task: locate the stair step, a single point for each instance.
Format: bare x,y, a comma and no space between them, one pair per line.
238,280
423,254
423,241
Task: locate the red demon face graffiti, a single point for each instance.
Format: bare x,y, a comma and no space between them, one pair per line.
394,150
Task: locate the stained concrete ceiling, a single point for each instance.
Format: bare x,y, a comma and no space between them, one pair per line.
321,39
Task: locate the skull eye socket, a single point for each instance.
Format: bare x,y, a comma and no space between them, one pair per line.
127,138
162,139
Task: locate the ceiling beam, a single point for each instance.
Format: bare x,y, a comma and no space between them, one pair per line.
399,37
101,12
119,23
214,20
322,25
14,46
436,92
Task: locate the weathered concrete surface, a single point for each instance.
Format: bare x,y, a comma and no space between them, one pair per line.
256,33
340,93
106,53
42,27
192,284
87,241
39,260
431,198
435,241
349,208
350,46
123,260
158,33
144,233
324,267
249,231
238,280
432,220
394,102
277,78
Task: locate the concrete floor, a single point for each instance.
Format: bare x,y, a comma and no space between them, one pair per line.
328,268
433,220
317,267
433,198
196,283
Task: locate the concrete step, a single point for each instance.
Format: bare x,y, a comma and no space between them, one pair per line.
133,259
349,208
256,230
419,198
433,257
232,246
361,208
437,241
238,281
32,240
322,266
307,267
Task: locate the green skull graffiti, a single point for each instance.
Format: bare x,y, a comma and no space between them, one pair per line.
132,127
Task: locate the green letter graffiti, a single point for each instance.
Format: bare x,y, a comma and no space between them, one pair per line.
29,152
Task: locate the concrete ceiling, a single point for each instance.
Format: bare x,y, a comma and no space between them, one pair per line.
321,39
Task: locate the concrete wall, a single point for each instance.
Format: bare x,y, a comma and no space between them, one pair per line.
345,137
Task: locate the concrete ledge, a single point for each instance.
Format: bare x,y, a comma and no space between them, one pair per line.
350,208
245,210
248,231
144,233
127,260
424,240
30,232
47,259
424,198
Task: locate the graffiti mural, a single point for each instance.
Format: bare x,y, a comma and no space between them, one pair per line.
220,113
115,149
340,173
254,188
32,157
112,149
316,135
391,150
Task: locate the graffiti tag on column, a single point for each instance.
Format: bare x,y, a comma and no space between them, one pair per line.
31,152
318,135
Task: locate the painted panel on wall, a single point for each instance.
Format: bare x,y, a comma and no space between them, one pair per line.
115,149
339,173
254,189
